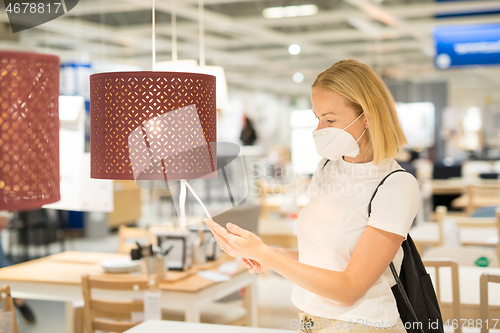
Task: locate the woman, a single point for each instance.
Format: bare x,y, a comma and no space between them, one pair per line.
340,271
248,135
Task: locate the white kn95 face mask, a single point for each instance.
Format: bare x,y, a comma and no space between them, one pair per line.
333,143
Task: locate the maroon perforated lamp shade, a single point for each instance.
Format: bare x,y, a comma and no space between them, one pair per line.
160,124
29,130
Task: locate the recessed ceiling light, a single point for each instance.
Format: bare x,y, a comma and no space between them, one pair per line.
298,77
294,49
290,11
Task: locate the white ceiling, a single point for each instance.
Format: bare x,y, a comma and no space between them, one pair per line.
393,36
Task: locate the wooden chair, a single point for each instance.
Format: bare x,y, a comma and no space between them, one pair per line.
455,306
128,236
441,212
8,306
222,313
111,316
477,196
429,233
471,225
483,298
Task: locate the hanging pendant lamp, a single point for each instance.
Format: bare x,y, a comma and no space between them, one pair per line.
168,118
153,125
29,130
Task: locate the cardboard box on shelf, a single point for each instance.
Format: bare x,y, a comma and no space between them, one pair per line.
127,203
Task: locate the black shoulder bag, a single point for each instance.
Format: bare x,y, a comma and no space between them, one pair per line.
415,296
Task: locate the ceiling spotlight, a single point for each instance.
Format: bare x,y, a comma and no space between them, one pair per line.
294,49
290,11
298,77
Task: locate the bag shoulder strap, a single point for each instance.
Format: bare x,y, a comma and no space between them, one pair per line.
324,165
405,296
379,184
393,269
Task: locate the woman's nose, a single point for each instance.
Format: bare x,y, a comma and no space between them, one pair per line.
320,126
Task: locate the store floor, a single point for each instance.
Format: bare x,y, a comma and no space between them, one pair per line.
275,309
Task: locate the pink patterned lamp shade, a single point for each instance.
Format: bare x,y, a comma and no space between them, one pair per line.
152,125
29,130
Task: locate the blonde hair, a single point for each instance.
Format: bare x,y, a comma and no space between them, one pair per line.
365,91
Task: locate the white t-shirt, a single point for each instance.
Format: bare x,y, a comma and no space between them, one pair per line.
332,222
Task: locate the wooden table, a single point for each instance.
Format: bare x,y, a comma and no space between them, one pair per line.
150,326
58,278
469,292
453,186
427,233
478,202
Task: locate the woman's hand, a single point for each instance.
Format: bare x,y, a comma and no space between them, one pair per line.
254,266
237,242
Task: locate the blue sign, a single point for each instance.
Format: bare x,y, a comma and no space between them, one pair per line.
467,45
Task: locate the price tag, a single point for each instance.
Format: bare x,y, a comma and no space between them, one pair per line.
152,305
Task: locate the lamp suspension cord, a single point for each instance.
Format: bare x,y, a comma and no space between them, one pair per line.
201,27
174,31
154,35
101,26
